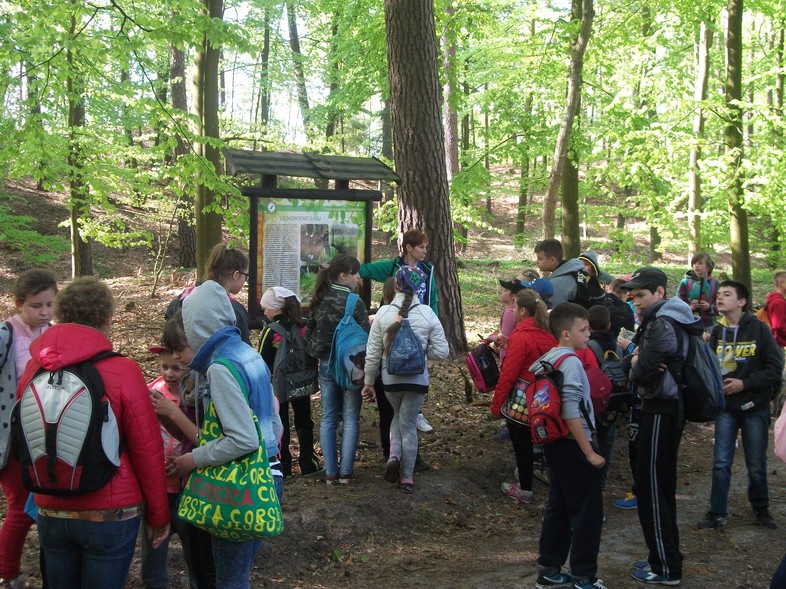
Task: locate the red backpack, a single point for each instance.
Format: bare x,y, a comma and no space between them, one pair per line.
545,404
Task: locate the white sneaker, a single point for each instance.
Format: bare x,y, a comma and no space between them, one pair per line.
423,425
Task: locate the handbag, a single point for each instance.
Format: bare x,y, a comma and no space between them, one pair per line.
779,433
237,500
515,406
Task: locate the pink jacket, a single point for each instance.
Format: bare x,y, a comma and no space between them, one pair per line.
140,476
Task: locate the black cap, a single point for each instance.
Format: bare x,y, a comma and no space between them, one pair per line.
513,285
646,277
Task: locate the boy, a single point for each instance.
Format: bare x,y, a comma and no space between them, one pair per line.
751,364
776,309
574,510
662,341
568,277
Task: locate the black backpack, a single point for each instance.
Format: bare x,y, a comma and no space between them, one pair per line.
295,373
64,432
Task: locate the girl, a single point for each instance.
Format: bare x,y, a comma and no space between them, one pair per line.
328,302
700,290
528,342
34,295
507,322
405,392
229,267
282,306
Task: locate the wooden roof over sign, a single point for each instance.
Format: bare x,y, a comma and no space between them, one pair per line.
307,165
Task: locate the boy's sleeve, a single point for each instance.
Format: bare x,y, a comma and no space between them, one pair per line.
657,346
574,383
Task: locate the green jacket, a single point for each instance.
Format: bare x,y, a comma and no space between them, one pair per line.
384,269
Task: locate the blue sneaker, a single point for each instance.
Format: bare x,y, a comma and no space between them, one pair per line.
553,578
647,576
589,584
629,502
641,565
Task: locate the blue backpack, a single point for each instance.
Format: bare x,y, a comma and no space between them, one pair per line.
406,352
349,340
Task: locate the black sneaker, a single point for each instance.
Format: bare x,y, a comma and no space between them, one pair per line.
711,521
553,578
421,465
764,518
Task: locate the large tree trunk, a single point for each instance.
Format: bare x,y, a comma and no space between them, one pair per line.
703,45
578,47
571,240
738,217
449,98
297,60
333,65
205,82
420,149
263,110
81,250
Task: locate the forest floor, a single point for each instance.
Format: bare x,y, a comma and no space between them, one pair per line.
457,530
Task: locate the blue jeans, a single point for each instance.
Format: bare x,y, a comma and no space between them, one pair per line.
83,554
755,426
154,566
338,404
233,562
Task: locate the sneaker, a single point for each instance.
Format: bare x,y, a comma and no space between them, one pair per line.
17,583
331,479
553,578
514,491
421,465
344,479
628,502
585,583
423,425
311,469
647,576
711,521
641,565
764,518
391,470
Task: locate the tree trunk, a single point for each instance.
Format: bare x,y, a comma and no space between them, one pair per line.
205,97
524,178
333,64
81,250
699,96
571,240
738,217
185,224
578,47
297,60
264,78
449,98
420,149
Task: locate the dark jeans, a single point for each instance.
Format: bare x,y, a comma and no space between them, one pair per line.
755,426
521,439
198,548
304,427
573,519
84,554
656,490
154,567
233,562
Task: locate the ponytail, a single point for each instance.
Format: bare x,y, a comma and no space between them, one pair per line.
392,330
529,300
341,264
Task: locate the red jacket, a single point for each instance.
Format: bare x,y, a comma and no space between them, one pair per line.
140,476
776,311
526,343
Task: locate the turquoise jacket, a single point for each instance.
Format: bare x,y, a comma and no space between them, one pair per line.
384,269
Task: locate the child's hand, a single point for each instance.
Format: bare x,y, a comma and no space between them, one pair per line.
502,342
162,406
368,393
596,460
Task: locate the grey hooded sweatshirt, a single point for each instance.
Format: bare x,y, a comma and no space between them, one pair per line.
564,281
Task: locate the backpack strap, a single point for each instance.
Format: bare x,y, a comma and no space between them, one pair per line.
349,308
597,349
582,406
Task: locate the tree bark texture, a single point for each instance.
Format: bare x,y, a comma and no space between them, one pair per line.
206,91
578,47
738,217
703,45
449,97
571,240
297,61
420,149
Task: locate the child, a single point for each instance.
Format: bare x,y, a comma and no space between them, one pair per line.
529,341
776,309
164,394
508,320
405,392
282,306
328,303
574,513
34,295
699,289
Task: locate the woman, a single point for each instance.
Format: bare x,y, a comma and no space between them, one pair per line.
528,342
328,303
88,540
282,306
405,392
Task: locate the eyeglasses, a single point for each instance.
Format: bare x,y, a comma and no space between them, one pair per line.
246,274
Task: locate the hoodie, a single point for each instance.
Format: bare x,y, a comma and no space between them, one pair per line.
776,311
568,280
748,352
662,339
575,389
208,319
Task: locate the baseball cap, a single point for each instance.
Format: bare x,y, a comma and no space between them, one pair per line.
157,349
513,285
646,277
542,286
